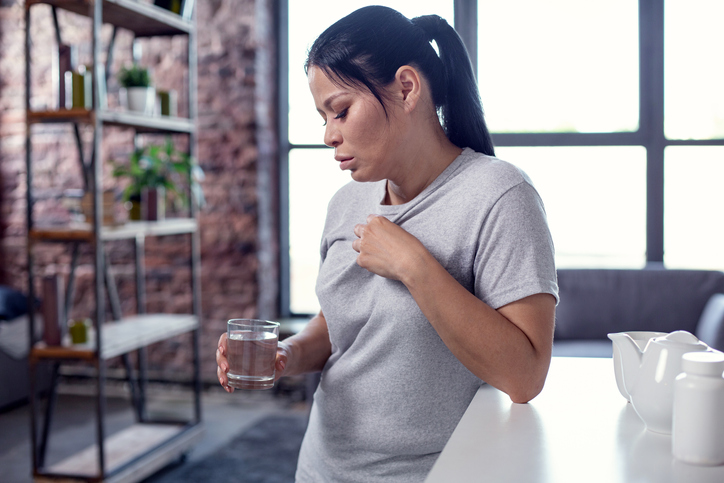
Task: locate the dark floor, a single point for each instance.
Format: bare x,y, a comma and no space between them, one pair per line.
224,416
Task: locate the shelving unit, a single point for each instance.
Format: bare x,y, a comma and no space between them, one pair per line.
148,445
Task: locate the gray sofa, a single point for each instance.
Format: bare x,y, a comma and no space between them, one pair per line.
14,346
596,302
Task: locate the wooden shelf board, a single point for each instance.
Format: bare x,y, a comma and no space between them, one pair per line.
123,447
171,226
149,124
141,18
121,337
140,122
79,115
84,231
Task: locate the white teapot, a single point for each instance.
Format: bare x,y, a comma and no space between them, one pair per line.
648,375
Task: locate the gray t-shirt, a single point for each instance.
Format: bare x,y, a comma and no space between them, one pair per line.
391,392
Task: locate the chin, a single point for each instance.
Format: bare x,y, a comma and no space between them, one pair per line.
357,176
363,177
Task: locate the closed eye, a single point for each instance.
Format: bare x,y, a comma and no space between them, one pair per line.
341,115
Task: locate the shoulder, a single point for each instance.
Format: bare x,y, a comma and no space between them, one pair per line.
488,176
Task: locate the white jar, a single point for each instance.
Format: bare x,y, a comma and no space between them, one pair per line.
698,424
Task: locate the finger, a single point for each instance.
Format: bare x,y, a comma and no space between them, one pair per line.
222,344
224,380
221,360
282,360
223,364
280,364
357,245
359,230
370,218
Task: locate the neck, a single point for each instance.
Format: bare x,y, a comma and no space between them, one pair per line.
421,167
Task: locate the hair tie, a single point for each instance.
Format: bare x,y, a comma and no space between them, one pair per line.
432,25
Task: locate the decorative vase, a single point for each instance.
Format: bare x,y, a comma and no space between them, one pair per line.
153,203
168,102
134,211
139,99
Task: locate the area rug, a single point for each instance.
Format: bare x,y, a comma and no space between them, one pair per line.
265,453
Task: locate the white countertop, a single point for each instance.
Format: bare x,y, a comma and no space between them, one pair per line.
579,428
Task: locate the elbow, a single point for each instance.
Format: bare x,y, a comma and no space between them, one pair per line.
523,397
529,381
523,393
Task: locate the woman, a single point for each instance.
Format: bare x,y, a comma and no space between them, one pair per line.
437,265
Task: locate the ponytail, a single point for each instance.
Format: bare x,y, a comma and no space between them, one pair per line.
461,110
365,49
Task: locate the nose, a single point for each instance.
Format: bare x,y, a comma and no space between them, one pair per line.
332,136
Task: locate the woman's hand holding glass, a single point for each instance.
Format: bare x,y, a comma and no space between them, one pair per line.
222,362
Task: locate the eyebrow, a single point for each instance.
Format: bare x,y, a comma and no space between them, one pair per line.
328,101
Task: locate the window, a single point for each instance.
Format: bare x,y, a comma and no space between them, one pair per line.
595,204
554,65
574,94
693,219
694,71
694,128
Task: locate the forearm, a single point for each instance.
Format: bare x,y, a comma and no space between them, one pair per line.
487,342
310,348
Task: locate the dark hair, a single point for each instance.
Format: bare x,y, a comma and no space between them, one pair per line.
365,49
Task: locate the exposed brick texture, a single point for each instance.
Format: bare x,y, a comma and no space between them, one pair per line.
228,40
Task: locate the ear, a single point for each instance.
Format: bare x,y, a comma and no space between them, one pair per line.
408,83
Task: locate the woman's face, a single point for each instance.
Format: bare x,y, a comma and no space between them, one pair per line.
356,127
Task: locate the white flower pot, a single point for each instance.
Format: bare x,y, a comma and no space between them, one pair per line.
139,99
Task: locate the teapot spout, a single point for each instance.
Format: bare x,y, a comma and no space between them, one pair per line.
631,357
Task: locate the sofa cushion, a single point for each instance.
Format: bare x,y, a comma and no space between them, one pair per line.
582,348
594,302
12,303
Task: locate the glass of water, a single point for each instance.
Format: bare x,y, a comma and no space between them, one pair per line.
252,350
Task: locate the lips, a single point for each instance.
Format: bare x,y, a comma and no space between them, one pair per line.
344,161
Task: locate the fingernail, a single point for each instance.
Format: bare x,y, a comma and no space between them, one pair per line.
282,365
225,367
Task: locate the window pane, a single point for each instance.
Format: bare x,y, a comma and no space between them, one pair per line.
314,176
693,207
308,19
595,199
694,99
559,65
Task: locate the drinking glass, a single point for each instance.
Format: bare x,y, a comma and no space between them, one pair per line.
252,350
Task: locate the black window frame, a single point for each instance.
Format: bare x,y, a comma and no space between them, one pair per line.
650,133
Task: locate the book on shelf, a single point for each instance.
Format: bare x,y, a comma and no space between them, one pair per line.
52,309
78,85
66,61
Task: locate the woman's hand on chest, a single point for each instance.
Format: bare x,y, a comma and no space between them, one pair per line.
387,250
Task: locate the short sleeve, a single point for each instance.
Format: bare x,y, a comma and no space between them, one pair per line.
515,253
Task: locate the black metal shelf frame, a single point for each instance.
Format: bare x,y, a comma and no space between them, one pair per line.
144,20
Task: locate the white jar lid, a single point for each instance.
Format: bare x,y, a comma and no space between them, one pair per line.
705,363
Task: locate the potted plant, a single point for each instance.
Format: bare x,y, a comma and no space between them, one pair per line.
136,91
154,171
